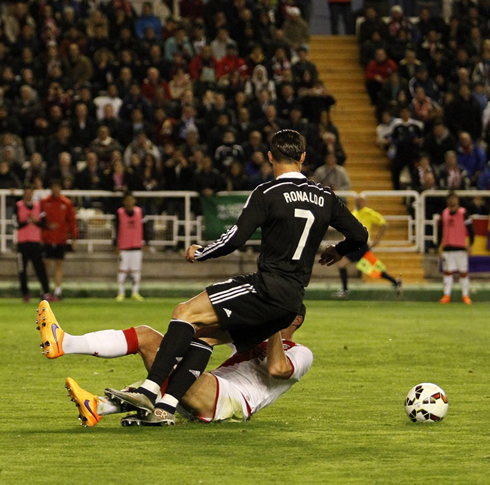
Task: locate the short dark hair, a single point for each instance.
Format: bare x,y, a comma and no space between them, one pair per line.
287,146
302,313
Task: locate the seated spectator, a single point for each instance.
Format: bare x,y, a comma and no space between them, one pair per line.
135,100
110,97
178,44
208,180
377,74
260,81
408,65
83,128
302,64
419,171
236,179
265,174
136,125
424,108
332,175
453,176
163,127
90,177
271,123
78,67
398,21
279,64
8,178
188,121
370,46
203,66
287,101
470,156
314,100
230,62
104,145
179,83
397,48
218,45
423,80
484,179
244,125
383,130
191,144
141,145
148,20
64,168
114,124
151,83
438,142
372,23
36,167
61,142
228,152
149,173
331,145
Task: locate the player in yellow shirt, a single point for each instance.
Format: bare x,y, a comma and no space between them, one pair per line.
370,219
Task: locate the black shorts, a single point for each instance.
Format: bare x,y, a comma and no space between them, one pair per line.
249,318
357,255
54,251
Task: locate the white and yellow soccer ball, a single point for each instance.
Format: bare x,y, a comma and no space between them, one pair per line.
426,403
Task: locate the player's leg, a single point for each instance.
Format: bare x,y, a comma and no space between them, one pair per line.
58,276
22,259
121,275
396,282
464,278
449,268
201,397
343,263
136,258
40,269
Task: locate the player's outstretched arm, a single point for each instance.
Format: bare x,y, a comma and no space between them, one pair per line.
278,364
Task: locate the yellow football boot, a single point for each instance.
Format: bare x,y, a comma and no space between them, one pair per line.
51,333
86,403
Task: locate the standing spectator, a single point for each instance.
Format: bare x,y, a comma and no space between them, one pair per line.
130,232
407,138
377,74
60,223
341,8
454,250
29,221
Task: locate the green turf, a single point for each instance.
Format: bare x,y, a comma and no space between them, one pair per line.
343,423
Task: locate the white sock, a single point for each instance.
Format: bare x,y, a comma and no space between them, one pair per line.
448,284
105,407
106,344
136,278
465,285
151,386
170,400
121,278
57,291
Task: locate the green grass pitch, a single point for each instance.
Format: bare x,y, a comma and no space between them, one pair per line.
343,423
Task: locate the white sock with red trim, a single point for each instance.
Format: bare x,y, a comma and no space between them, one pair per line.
106,344
448,284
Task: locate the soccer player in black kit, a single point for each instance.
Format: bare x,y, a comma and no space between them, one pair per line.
293,214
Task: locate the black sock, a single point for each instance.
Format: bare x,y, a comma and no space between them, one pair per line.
187,372
343,277
174,346
388,277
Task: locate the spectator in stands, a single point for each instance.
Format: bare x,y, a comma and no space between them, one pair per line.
296,31
83,128
111,97
209,180
104,145
236,179
8,178
228,152
463,113
484,179
62,169
230,62
35,167
384,129
141,145
453,176
265,174
419,171
377,74
302,64
407,138
89,178
135,99
61,142
470,156
218,45
438,142
178,44
369,47
397,21
409,64
78,67
423,107
341,8
423,80
332,175
332,145
148,21
372,23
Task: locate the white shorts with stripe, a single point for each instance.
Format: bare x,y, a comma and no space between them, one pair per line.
130,261
455,261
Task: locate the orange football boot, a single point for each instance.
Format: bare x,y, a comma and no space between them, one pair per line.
51,333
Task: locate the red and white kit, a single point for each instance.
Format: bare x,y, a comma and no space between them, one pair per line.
454,253
245,385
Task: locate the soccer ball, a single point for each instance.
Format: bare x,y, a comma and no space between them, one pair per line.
426,403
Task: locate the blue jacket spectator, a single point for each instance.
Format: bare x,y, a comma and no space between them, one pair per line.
470,156
148,20
484,179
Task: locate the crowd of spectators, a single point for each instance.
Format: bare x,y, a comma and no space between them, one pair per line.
101,95
430,83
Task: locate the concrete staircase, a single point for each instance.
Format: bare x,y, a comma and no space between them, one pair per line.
336,58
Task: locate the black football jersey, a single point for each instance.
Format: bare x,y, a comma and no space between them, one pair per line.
294,214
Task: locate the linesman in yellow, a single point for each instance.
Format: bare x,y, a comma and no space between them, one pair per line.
366,260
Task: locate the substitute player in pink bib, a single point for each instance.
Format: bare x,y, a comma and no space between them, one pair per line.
456,225
131,237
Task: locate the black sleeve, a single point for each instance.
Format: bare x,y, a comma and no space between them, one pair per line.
356,235
146,230
253,216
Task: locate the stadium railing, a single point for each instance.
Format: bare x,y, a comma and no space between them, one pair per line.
414,229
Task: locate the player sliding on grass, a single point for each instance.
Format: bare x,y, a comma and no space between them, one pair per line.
237,389
293,214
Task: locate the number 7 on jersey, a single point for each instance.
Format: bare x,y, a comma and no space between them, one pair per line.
310,219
